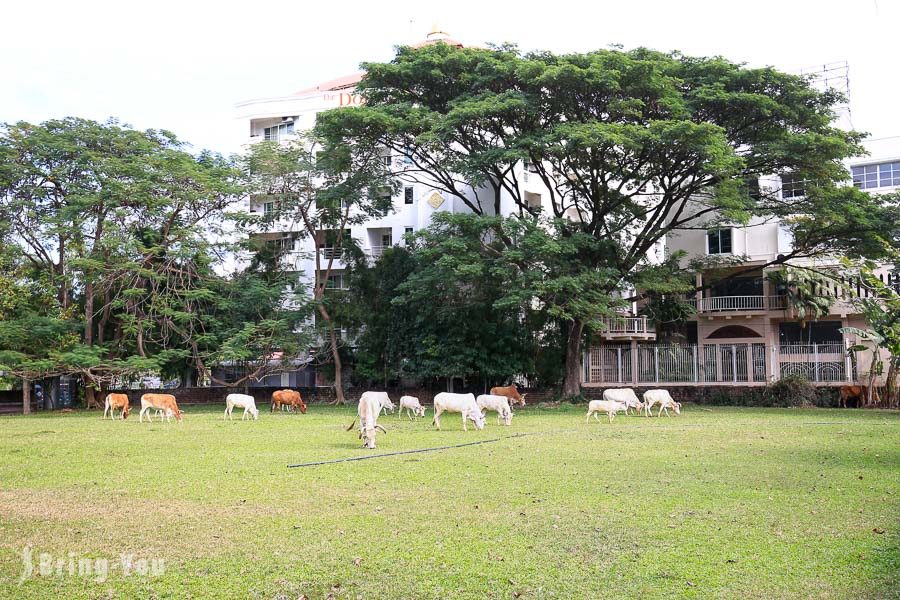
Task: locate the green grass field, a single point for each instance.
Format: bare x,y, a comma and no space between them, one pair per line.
716,503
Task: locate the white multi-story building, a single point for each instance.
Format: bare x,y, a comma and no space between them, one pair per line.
282,118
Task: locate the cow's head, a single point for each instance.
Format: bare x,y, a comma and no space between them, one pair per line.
302,406
125,411
420,412
368,435
677,406
255,412
477,417
522,399
178,414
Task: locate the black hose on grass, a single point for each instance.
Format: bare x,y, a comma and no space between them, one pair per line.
367,457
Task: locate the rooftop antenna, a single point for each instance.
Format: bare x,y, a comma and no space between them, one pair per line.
833,76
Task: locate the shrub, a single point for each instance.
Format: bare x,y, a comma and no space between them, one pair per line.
791,391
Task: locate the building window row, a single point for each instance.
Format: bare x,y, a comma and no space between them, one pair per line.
876,176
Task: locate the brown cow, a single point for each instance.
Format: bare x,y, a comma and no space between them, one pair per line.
288,398
510,392
114,401
852,391
163,402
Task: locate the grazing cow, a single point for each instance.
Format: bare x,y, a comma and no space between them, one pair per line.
248,403
460,403
386,404
511,392
624,395
852,391
412,407
114,401
164,402
610,407
289,398
665,401
498,404
367,412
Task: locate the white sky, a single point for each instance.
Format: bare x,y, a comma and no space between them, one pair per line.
183,65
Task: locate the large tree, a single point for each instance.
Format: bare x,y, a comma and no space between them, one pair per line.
629,145
317,192
122,226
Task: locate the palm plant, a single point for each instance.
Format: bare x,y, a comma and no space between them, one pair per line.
801,290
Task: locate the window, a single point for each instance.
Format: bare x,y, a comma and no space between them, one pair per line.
407,195
407,230
874,176
532,200
276,132
815,332
719,241
792,186
387,239
335,281
268,207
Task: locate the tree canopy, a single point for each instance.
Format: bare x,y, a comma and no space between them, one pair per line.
628,145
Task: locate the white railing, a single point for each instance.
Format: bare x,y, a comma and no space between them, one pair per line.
377,251
626,326
744,363
336,253
738,303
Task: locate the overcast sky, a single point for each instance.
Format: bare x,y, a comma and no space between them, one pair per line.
183,65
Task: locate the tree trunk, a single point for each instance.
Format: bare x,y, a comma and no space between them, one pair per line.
572,382
336,356
26,396
89,314
90,396
890,385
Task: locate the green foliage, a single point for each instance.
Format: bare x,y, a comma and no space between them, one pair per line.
625,143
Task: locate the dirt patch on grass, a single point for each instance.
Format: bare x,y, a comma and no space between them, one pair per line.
170,528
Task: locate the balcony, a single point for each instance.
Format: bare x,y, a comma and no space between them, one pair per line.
377,251
627,328
734,304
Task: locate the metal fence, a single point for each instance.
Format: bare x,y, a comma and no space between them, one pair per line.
735,363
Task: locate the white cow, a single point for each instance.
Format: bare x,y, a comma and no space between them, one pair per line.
386,404
610,407
367,412
412,407
498,404
248,403
624,395
664,399
458,403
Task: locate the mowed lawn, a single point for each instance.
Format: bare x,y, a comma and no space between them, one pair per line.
715,503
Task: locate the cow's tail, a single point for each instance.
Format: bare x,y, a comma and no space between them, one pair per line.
351,425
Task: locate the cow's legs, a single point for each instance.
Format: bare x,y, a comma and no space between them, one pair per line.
464,422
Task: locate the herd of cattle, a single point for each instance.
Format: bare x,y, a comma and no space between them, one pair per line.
373,404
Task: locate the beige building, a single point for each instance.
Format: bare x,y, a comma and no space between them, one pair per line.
744,330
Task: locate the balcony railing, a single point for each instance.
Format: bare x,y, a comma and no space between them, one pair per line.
336,253
738,303
618,327
377,251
